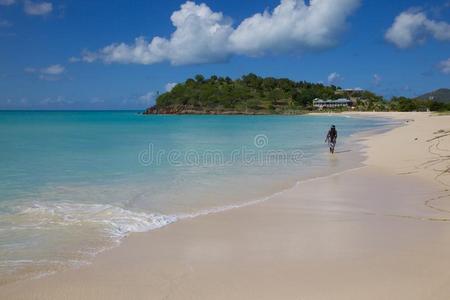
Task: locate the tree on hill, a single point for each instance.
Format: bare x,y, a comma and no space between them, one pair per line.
255,94
248,92
408,104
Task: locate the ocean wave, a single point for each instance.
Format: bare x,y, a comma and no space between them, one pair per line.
64,235
115,223
115,220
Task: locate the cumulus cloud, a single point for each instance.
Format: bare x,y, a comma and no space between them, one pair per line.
204,36
335,78
413,27
7,2
200,37
293,26
444,66
170,86
37,8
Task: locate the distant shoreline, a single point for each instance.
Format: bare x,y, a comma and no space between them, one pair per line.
154,111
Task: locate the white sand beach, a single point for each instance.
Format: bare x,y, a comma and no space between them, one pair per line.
381,231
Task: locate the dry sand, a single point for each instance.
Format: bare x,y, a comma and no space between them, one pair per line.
378,232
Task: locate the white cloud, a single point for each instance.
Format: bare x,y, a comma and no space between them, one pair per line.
50,73
377,80
37,8
204,36
60,100
170,86
7,2
86,56
200,37
14,102
147,98
74,59
335,78
293,26
53,70
444,66
413,27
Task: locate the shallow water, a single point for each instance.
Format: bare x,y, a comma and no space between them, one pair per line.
75,183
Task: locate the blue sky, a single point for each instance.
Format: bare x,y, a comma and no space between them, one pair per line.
79,54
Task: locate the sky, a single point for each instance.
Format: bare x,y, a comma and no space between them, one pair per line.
84,54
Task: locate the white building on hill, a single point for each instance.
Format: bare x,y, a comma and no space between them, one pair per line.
343,102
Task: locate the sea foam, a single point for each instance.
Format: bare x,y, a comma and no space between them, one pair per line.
116,220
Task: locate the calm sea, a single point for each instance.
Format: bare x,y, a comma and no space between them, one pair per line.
74,183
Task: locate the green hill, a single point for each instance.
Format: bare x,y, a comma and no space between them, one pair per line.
249,94
252,94
440,95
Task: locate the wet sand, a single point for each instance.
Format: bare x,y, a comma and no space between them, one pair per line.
381,231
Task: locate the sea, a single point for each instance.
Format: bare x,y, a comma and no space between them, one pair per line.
75,183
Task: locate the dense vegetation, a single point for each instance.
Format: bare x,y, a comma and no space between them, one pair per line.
407,104
247,94
253,95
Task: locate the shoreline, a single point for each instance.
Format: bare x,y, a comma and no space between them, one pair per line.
163,219
153,272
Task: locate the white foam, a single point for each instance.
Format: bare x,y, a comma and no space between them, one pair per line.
42,219
120,222
116,220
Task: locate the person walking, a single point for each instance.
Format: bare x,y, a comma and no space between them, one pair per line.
331,138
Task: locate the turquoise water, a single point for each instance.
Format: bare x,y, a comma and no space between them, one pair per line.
75,183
